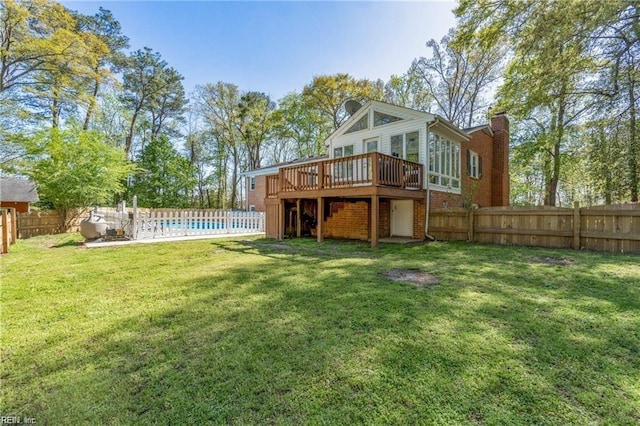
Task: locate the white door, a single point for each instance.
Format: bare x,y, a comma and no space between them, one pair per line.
401,218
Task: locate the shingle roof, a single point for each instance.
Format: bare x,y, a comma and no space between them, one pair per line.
16,189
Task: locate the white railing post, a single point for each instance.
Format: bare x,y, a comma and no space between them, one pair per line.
228,221
134,221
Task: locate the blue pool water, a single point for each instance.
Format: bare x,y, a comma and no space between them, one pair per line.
192,225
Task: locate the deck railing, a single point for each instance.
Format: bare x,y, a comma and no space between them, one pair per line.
346,172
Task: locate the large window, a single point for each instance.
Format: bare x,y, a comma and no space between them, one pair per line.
380,119
444,162
406,146
361,124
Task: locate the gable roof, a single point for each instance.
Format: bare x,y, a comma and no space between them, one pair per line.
16,189
401,112
436,121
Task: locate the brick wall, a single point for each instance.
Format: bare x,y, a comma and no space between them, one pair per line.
478,190
351,219
347,219
256,197
500,171
419,217
384,221
443,200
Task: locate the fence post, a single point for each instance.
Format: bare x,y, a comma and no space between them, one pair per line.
5,232
470,225
14,225
134,223
228,221
576,225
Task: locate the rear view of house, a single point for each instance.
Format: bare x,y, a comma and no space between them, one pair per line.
386,167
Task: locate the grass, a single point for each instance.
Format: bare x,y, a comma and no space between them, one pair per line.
260,331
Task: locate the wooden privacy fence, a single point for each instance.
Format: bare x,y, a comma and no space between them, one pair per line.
44,222
603,228
8,229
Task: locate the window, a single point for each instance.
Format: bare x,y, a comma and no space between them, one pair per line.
370,145
406,146
252,183
380,119
444,162
252,208
361,124
344,168
343,151
474,164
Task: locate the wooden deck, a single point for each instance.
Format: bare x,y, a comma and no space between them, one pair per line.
363,175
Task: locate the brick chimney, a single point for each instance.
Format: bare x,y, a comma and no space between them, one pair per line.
500,171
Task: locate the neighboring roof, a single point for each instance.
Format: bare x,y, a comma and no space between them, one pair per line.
484,127
273,168
17,189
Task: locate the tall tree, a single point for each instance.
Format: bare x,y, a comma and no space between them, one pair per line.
198,147
622,49
301,125
32,34
151,87
45,58
255,125
218,107
166,179
107,29
458,75
327,94
408,90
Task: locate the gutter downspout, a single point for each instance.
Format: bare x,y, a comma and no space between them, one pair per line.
426,225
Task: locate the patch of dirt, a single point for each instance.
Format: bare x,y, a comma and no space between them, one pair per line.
412,276
555,261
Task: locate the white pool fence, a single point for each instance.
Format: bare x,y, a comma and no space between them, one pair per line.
138,224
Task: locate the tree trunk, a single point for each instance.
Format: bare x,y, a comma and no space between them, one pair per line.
633,143
557,133
234,177
55,108
129,139
92,105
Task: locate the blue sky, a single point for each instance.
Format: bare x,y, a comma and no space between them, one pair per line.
277,47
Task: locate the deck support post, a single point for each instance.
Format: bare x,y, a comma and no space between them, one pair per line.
375,219
281,220
319,219
298,219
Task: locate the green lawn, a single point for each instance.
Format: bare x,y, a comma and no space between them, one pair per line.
261,331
